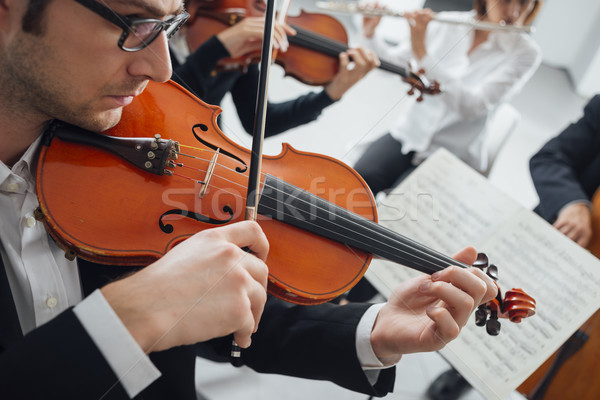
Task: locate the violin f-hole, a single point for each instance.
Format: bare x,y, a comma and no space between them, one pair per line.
204,128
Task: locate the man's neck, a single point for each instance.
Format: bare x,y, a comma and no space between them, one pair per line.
17,133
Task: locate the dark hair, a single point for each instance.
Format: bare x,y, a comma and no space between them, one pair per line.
33,21
479,6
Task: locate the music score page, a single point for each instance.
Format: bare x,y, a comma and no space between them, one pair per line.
446,205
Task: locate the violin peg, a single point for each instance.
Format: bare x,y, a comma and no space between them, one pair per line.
492,272
482,261
492,326
411,92
481,315
420,98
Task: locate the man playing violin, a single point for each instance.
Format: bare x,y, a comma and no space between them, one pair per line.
137,331
195,67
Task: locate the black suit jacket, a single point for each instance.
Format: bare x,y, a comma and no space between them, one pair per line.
567,168
59,360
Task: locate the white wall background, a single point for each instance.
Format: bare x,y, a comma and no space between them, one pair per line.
568,32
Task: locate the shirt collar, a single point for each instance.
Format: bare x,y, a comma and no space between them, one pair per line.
22,168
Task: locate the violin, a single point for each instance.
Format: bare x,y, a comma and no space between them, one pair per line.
166,171
312,57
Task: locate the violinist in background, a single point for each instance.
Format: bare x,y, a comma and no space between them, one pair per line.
71,329
477,70
195,68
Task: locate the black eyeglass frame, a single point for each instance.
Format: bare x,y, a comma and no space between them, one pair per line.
128,24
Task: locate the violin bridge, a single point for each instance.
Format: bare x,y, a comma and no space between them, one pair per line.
209,173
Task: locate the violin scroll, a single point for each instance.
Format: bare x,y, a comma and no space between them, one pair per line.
419,82
515,305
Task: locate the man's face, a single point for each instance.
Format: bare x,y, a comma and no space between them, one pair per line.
74,70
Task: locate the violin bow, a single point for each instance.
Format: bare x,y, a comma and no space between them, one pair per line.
260,113
258,133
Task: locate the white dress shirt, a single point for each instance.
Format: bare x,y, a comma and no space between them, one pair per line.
473,85
44,284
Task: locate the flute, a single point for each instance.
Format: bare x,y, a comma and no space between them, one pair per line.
356,8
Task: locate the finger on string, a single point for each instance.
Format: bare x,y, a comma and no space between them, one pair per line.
357,56
289,30
459,303
492,288
344,60
468,255
466,280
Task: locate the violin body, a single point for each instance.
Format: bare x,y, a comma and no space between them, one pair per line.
107,210
313,55
305,64
127,196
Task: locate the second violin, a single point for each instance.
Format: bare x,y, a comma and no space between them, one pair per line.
312,57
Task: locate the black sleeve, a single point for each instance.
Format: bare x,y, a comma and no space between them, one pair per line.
57,361
195,73
312,342
280,116
567,168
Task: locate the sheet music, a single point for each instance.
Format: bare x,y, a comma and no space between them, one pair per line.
447,206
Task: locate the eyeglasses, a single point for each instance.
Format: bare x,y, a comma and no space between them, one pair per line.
137,32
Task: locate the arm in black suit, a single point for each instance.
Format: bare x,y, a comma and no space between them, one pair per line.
196,74
567,168
59,360
311,342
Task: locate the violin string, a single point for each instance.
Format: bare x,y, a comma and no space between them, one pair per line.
194,148
191,156
317,42
409,242
390,232
187,177
329,46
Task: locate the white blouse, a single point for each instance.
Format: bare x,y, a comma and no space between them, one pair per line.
473,86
